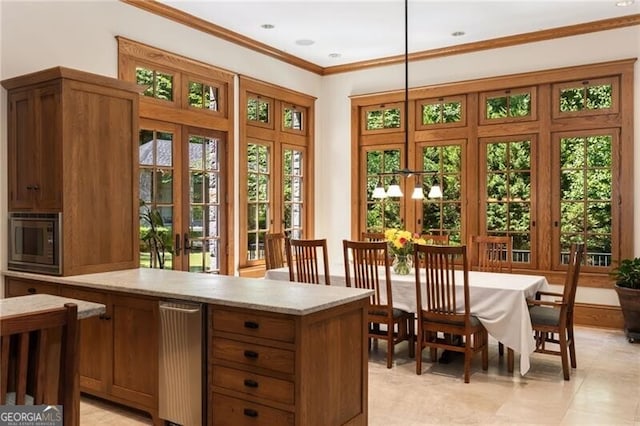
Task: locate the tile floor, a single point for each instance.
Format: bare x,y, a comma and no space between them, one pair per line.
603,390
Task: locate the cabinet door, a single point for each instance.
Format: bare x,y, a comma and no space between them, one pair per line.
22,150
95,342
135,349
48,137
34,148
20,287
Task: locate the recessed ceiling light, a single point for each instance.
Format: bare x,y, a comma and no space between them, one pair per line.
267,26
624,3
334,55
304,42
458,33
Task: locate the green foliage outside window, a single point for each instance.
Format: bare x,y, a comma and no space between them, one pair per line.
585,196
160,85
203,96
258,110
383,118
443,215
508,193
382,214
258,177
442,112
508,106
586,97
292,119
293,196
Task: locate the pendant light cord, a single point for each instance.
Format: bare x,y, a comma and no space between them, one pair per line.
406,84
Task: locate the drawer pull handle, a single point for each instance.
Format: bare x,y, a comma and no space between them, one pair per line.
251,354
250,413
31,290
251,324
250,383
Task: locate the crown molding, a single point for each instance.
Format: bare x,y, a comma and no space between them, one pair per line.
196,23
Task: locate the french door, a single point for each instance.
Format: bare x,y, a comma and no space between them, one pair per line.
182,178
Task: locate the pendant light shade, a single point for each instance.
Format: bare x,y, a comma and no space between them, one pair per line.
435,191
417,194
379,192
394,189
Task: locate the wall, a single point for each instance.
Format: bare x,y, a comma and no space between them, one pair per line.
38,35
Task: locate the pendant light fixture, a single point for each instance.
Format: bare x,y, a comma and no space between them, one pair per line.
394,188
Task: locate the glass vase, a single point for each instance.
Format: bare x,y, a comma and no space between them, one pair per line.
402,264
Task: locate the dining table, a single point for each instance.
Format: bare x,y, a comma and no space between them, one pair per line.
498,300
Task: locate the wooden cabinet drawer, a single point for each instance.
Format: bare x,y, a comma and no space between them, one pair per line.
275,359
254,384
229,411
252,324
18,287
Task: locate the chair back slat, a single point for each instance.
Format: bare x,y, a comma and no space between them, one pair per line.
491,253
273,250
303,257
26,341
362,269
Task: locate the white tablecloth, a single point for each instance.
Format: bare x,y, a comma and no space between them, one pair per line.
498,300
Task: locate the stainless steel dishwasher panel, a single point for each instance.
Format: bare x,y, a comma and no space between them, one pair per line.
180,379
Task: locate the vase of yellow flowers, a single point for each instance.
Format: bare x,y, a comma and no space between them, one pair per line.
401,247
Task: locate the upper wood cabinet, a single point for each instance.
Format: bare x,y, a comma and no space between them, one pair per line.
72,148
34,147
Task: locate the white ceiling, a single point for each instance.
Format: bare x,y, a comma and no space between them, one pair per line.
361,30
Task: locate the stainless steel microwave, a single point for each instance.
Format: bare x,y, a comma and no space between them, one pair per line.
35,242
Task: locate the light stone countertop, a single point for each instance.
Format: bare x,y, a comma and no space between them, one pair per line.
251,293
40,302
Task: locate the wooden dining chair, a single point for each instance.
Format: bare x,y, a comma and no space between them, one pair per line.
436,239
274,250
440,310
552,321
303,259
372,236
363,270
27,377
489,253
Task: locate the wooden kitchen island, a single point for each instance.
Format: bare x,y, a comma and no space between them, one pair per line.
275,353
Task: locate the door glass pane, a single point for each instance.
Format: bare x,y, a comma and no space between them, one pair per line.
586,197
156,197
508,194
443,215
204,206
382,213
293,191
258,200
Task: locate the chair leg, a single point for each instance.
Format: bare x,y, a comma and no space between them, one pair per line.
500,349
510,360
563,353
572,347
390,344
467,359
412,336
419,347
485,351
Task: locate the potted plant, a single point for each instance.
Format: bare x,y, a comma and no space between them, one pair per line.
627,276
